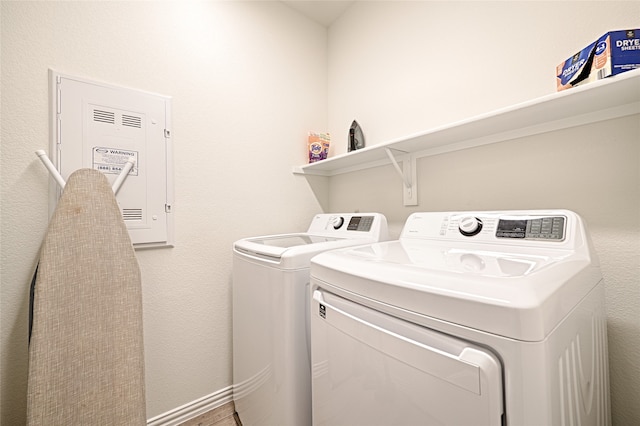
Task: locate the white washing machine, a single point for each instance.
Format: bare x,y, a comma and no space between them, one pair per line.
271,358
473,318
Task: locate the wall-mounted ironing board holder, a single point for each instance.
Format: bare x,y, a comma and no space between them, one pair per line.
60,180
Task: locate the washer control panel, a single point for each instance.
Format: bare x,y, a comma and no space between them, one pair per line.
360,223
350,225
356,223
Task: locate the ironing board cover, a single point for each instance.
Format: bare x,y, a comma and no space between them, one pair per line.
86,360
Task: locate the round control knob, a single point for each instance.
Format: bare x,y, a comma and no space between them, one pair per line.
470,226
337,222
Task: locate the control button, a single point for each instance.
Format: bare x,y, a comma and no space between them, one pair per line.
536,225
470,226
365,224
337,222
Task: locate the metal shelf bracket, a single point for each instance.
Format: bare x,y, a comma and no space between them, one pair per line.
407,174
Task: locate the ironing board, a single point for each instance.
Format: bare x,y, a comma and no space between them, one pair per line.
86,360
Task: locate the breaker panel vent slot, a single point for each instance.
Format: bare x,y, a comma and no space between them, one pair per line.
131,121
131,214
104,116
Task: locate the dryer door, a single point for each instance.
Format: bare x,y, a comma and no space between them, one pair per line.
369,368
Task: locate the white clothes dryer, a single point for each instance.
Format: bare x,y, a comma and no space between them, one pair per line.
271,355
470,318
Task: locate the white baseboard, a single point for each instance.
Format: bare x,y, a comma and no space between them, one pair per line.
193,409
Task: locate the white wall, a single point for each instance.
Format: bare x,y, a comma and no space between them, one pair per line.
248,80
405,67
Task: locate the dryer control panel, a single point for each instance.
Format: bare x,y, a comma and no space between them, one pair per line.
546,228
510,227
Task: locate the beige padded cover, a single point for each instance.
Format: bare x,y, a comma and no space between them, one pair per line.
86,361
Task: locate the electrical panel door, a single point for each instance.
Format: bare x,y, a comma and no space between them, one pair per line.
101,126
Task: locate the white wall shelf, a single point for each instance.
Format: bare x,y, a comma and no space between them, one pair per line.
614,97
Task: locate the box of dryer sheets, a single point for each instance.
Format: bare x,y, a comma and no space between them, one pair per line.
613,53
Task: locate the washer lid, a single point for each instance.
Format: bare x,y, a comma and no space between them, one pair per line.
291,240
292,251
275,246
326,232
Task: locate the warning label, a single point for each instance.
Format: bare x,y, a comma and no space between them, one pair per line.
112,160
